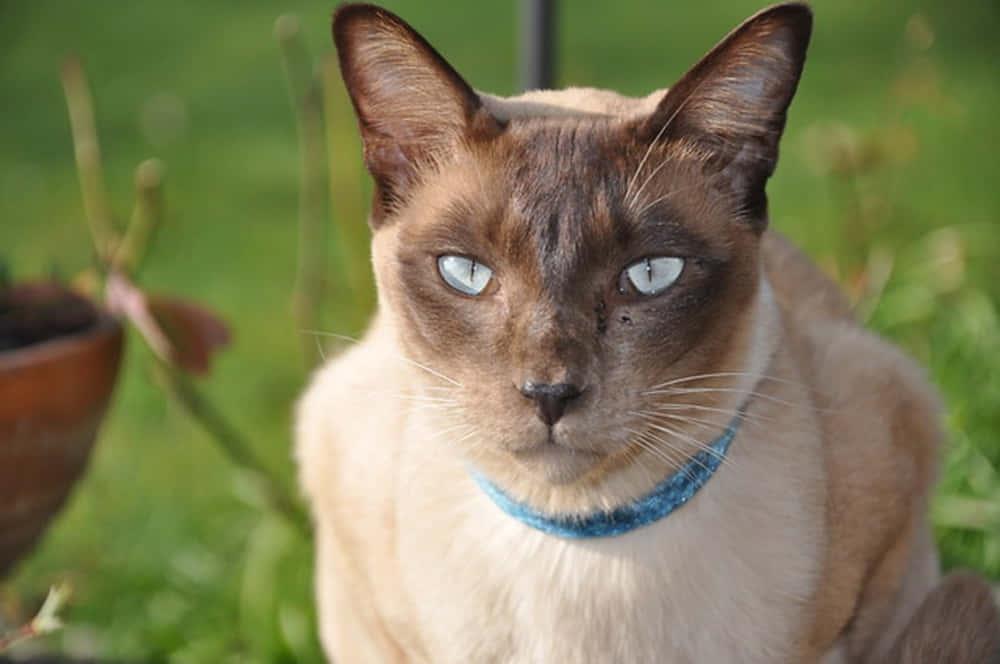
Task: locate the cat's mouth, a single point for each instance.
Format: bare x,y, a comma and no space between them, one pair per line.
559,461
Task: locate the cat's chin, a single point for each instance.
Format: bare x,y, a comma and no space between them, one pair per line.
556,463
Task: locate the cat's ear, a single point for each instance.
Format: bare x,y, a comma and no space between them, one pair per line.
734,101
411,104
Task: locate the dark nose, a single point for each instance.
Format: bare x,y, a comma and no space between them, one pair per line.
550,400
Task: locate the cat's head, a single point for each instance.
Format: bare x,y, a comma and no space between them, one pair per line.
556,260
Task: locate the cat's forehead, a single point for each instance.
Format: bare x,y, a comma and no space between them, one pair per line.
570,102
562,195
594,173
565,186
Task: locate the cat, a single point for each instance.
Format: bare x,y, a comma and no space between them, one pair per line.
604,413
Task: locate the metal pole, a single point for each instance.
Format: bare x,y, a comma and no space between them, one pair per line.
537,27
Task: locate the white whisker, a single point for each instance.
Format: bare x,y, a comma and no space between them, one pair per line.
701,423
742,415
400,356
758,395
333,335
420,398
655,446
642,162
726,374
319,349
635,199
694,441
655,140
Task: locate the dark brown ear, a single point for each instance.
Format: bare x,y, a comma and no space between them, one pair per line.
411,105
734,101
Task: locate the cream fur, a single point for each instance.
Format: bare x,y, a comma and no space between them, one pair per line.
816,517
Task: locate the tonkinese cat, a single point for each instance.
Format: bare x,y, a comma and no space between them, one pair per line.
603,413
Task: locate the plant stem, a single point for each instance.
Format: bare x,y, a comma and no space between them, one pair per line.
45,621
87,150
347,205
232,443
23,633
305,96
146,217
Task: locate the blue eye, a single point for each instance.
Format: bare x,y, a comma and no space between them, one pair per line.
652,276
464,274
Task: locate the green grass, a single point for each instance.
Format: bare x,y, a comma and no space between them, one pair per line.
168,552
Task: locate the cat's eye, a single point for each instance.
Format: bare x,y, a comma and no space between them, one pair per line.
464,274
651,276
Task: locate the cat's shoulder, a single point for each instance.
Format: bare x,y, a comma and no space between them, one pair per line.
343,406
817,311
875,400
801,288
867,383
343,378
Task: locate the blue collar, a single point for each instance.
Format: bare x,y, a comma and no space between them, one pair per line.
660,502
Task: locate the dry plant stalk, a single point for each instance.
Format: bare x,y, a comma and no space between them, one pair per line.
45,621
87,151
182,335
347,205
310,282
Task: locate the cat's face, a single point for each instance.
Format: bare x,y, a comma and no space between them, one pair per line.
565,247
557,270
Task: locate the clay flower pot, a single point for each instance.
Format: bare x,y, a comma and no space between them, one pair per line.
59,358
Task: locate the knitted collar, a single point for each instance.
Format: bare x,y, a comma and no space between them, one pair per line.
657,504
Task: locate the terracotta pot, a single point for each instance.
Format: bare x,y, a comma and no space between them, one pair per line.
53,396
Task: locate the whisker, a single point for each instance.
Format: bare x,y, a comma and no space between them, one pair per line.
645,156
720,197
645,182
726,374
473,431
681,465
333,335
443,432
319,349
705,183
413,398
658,136
656,444
422,398
633,457
430,371
427,407
694,441
652,445
743,415
751,393
400,356
446,440
649,205
702,423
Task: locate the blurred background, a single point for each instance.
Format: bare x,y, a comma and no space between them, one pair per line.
888,178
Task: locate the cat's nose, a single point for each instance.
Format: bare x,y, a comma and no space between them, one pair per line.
550,400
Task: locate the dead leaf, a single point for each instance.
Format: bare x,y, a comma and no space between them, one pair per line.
194,332
182,332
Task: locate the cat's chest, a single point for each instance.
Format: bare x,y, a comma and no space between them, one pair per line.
726,578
